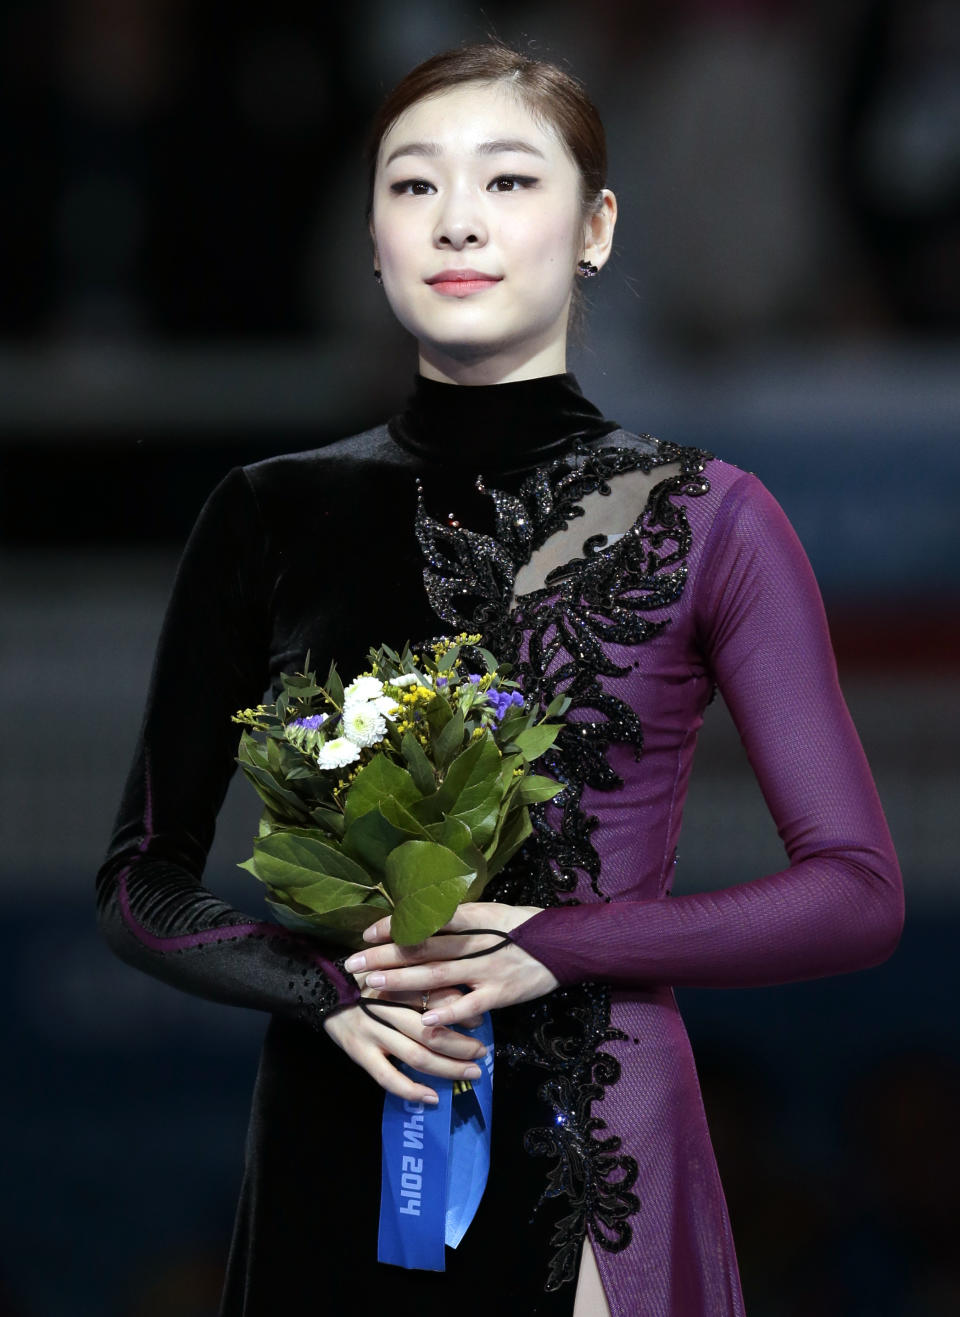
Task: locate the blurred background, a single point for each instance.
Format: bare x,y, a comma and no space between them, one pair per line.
185,285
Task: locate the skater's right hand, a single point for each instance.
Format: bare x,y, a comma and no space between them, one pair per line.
436,1049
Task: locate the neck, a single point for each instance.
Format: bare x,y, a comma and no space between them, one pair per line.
484,368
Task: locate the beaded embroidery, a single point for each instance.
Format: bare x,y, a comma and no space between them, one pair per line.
556,638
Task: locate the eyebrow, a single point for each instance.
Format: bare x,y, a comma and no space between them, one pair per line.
499,146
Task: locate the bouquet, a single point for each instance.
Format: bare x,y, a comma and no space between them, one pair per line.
402,793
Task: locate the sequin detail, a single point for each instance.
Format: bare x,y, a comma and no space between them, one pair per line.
558,638
563,1035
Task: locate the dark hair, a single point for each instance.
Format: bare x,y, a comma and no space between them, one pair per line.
555,97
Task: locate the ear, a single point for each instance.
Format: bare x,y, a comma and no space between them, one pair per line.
373,239
598,231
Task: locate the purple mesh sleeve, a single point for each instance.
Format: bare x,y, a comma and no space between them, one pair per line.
839,905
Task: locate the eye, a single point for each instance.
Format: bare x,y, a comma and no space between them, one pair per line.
510,183
412,187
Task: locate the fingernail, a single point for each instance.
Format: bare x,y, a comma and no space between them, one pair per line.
369,933
431,1099
431,1017
471,1072
354,963
376,980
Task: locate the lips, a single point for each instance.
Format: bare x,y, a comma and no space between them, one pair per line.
461,283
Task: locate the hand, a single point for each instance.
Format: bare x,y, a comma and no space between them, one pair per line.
371,1042
507,976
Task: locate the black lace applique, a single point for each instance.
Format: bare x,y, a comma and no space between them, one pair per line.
558,637
563,1035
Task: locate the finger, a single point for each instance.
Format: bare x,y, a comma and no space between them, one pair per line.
445,1042
386,1074
392,955
432,1063
445,997
469,1005
418,978
350,1031
378,932
469,915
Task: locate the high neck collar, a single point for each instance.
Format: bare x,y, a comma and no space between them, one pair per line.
496,427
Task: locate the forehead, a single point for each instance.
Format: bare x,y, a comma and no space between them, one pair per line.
464,118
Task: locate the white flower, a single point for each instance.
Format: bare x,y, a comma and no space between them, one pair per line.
406,679
385,705
334,754
363,723
364,688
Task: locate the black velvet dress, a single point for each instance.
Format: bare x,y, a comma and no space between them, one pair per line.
317,551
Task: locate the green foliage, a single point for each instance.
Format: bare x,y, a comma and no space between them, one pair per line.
412,825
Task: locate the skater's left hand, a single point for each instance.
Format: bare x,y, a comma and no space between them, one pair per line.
504,977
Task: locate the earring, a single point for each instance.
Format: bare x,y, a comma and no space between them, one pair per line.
587,269
378,276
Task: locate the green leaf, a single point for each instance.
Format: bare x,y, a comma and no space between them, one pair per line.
281,802
508,764
536,788
251,751
452,833
449,660
378,779
476,766
429,809
370,839
478,793
400,817
514,832
512,725
459,772
427,882
557,707
334,686
291,860
275,759
536,740
438,713
482,819
449,741
291,919
418,764
329,894
331,820
343,926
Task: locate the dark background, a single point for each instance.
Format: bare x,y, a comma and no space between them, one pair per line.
185,284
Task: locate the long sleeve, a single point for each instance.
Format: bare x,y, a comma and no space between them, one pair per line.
839,905
212,659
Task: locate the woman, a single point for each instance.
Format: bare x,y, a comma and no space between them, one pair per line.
635,575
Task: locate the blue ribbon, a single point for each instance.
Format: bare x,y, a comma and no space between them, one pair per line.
435,1164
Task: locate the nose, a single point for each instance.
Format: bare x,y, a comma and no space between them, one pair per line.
460,222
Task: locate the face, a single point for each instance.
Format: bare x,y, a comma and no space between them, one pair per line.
477,227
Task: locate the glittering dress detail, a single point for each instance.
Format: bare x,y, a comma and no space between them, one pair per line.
558,638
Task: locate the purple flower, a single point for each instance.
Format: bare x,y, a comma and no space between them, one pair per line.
475,678
503,700
441,681
311,724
